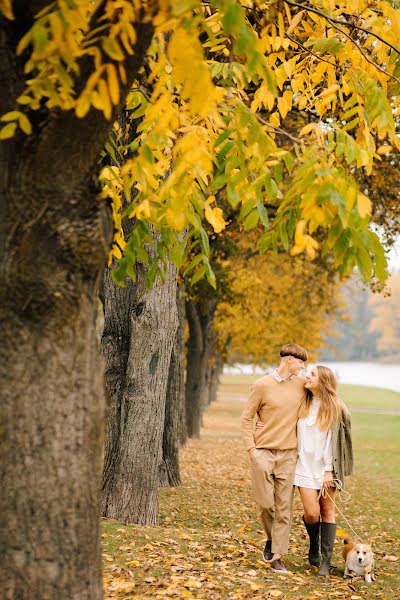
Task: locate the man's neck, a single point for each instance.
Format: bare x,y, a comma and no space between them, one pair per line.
283,371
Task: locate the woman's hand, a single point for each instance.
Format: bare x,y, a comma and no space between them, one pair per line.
328,480
259,425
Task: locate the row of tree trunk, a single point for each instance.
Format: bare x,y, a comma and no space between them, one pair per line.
152,411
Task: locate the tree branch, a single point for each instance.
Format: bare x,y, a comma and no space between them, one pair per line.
341,22
81,150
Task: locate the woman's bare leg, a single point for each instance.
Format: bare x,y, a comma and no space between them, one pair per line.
327,506
310,504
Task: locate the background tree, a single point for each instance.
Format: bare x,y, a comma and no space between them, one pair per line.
350,336
386,319
275,299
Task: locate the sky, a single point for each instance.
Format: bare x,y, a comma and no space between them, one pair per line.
394,257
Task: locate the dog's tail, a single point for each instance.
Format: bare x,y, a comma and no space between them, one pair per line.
347,541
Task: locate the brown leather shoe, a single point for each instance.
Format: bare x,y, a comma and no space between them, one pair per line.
278,567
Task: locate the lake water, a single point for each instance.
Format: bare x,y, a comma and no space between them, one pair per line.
357,373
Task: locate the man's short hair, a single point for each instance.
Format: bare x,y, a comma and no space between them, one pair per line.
294,350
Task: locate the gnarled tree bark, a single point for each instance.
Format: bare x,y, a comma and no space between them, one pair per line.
175,404
54,239
139,331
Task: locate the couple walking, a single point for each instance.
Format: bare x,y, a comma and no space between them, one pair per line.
302,438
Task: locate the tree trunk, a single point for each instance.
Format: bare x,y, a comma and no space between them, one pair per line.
52,402
54,239
175,404
216,366
199,316
139,331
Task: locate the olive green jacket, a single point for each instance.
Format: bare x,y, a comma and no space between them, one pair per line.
342,449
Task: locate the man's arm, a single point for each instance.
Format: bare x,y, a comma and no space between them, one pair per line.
251,407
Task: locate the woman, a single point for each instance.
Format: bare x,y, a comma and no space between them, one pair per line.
325,457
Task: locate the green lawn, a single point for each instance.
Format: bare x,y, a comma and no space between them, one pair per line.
357,395
353,395
208,543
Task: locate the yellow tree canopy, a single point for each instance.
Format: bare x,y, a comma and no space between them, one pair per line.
274,298
213,96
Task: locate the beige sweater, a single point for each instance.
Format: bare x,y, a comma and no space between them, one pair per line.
276,405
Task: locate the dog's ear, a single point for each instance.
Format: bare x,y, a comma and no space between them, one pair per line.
368,541
346,541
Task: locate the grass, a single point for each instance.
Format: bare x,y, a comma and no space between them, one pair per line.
354,395
208,543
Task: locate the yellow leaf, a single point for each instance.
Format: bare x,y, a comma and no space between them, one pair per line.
364,205
112,48
6,9
11,116
8,131
82,105
254,587
113,85
341,533
295,21
307,129
125,586
283,107
215,217
103,91
384,149
275,593
24,123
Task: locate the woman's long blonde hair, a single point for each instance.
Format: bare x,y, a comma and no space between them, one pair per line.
331,409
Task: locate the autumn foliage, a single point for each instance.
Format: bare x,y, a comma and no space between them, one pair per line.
219,81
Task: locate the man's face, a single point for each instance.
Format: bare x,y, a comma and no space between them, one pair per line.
295,365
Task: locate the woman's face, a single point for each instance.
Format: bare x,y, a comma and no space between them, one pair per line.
312,380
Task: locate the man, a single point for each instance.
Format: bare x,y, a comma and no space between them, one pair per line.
275,399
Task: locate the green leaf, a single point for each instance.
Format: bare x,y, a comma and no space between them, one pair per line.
176,255
193,263
262,211
152,273
331,45
199,274
251,220
205,242
233,18
119,274
283,235
246,208
223,136
264,242
364,263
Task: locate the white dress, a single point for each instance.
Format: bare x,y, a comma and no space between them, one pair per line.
315,451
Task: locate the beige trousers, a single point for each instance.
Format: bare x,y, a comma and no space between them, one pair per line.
272,475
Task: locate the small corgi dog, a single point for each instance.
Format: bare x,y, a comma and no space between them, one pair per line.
359,560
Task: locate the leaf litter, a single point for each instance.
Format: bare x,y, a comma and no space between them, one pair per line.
208,543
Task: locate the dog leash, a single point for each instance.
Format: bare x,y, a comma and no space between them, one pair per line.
344,497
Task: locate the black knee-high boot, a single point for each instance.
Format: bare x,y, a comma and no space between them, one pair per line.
313,530
328,534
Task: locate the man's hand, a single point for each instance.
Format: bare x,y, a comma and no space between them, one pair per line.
328,480
259,425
